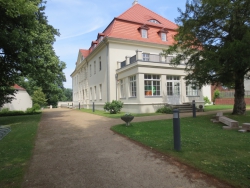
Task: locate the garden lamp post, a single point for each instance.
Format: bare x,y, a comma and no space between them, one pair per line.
177,130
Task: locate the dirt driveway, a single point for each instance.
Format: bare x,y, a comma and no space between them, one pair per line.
78,150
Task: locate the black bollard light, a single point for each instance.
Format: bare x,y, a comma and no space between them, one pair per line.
93,106
79,106
194,109
177,130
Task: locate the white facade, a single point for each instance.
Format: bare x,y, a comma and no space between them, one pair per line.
124,63
111,82
22,101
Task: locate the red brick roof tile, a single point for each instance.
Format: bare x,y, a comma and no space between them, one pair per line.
84,52
141,14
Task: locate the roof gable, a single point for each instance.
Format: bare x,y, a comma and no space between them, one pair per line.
141,14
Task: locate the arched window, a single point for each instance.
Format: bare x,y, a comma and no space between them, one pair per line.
154,21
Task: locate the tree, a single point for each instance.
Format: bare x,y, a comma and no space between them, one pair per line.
68,94
39,97
213,40
6,95
26,46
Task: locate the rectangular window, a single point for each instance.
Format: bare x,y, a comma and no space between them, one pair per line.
152,85
132,86
163,37
95,93
100,91
122,89
191,90
145,57
94,67
100,64
90,70
90,95
144,33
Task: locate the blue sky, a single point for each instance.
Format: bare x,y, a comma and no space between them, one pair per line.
79,22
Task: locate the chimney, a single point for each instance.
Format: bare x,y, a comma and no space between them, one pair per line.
135,2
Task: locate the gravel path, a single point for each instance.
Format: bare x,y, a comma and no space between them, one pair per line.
78,150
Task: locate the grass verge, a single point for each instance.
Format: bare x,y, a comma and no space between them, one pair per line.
107,114
16,148
205,145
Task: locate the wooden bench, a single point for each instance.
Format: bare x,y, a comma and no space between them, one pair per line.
232,124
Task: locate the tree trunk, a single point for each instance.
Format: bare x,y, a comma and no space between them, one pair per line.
239,100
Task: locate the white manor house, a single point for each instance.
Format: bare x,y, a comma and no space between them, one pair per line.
124,63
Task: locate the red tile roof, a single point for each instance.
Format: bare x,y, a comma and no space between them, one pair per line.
126,26
84,53
141,14
18,87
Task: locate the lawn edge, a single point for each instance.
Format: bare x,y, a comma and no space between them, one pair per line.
189,170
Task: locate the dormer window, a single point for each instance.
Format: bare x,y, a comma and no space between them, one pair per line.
163,34
100,37
82,58
154,21
144,31
94,44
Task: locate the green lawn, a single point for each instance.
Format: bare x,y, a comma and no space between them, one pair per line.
205,145
107,114
16,148
218,107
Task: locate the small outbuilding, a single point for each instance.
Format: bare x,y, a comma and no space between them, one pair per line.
22,100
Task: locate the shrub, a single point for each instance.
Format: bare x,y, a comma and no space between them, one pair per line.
11,113
5,110
113,107
165,109
30,110
206,100
36,106
216,94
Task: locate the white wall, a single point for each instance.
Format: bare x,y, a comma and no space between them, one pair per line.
22,101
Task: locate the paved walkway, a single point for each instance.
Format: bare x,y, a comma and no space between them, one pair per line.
78,150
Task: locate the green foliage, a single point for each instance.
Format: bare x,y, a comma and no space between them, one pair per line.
39,97
206,100
113,107
165,110
216,94
7,94
12,113
36,106
26,47
213,40
16,148
68,94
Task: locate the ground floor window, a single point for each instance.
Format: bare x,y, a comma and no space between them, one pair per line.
90,96
132,86
122,88
173,85
191,90
100,91
152,85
